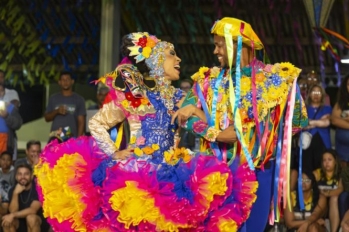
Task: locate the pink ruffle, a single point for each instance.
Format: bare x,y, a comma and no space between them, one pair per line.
88,149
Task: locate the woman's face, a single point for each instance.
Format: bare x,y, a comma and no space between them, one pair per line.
328,162
171,64
315,95
348,85
306,183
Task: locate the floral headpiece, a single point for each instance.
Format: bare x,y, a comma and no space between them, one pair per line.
143,45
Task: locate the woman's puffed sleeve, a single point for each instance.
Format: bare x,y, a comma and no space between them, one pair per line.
107,117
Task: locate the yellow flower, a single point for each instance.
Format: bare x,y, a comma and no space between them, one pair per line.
275,68
138,151
167,156
286,69
133,139
245,84
200,74
148,150
202,71
274,94
186,158
146,52
124,103
155,147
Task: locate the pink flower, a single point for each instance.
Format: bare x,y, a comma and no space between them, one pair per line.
219,98
267,68
199,126
140,141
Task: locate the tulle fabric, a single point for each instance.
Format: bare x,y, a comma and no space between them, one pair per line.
85,191
70,200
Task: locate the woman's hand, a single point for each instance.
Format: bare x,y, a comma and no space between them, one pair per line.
303,227
183,114
123,154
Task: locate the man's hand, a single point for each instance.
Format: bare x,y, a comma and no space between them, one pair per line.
183,114
123,154
18,189
227,136
62,109
7,219
321,221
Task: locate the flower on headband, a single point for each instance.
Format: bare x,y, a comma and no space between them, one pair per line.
143,44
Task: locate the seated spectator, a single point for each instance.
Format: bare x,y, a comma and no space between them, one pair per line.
102,92
309,219
25,211
32,152
330,184
7,179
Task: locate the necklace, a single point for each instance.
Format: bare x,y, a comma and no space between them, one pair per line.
26,201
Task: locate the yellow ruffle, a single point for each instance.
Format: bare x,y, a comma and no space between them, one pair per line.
136,205
61,201
225,225
215,184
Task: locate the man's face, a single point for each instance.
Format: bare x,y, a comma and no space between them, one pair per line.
5,161
185,86
220,50
66,82
33,153
24,176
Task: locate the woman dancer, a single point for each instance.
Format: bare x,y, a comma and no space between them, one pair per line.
151,185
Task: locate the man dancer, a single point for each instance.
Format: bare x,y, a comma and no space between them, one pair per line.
257,104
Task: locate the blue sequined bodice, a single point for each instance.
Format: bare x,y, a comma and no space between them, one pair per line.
157,128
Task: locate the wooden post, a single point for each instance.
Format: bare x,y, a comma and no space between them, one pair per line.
110,36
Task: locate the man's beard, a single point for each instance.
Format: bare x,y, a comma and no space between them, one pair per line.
26,184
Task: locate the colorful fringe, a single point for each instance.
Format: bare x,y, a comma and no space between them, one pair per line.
70,200
82,191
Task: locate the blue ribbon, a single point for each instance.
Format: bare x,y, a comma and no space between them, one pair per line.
278,163
237,100
214,111
113,134
214,146
300,191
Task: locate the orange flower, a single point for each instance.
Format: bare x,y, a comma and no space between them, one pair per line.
150,43
259,77
148,150
144,101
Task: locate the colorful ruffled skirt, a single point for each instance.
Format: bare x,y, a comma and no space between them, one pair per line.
81,189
